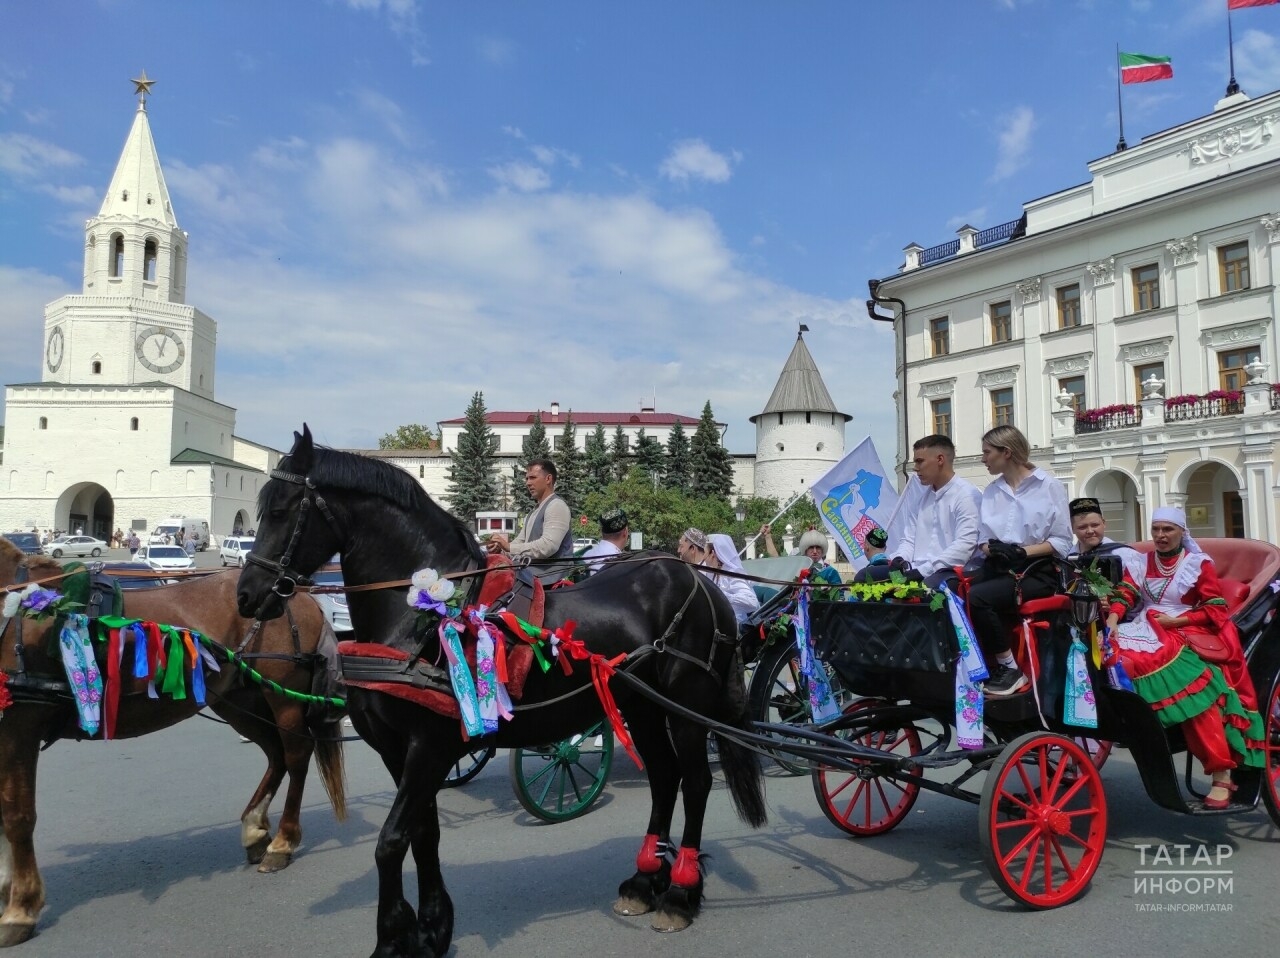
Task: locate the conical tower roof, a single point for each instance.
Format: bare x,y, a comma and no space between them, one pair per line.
800,387
137,188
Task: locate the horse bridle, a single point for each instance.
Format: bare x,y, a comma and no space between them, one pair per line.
287,579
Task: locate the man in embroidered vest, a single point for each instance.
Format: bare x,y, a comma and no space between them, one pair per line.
546,533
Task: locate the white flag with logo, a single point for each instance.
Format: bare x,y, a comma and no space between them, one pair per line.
854,497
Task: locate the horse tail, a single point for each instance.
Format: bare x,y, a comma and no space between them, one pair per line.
326,726
741,766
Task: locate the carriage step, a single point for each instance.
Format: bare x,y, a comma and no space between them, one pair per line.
1235,808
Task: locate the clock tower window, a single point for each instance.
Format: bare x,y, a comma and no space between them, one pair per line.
97,368
149,261
133,424
117,256
44,422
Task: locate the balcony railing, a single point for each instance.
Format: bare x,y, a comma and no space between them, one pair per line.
943,251
1202,407
987,237
1108,418
1275,396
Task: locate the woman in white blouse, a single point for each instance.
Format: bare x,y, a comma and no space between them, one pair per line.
1025,522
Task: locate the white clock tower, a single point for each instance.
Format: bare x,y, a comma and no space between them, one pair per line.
122,428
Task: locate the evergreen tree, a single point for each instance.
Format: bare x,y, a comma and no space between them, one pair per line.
619,456
535,446
473,483
596,474
568,460
710,464
675,472
650,456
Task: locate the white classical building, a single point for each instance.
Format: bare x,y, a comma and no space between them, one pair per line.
1126,325
123,428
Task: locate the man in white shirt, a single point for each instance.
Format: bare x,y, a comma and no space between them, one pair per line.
615,532
943,531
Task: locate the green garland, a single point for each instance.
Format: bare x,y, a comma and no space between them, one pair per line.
262,680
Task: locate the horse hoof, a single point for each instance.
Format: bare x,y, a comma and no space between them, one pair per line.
15,934
665,921
258,850
274,862
631,906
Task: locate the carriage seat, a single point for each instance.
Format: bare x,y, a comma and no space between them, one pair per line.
1038,608
1245,567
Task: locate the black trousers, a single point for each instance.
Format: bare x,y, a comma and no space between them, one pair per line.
993,605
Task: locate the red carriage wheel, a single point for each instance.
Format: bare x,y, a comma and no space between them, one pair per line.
1043,820
1271,770
868,801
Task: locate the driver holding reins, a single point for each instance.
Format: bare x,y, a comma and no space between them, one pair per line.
546,535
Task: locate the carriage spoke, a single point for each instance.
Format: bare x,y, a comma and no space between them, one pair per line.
1029,866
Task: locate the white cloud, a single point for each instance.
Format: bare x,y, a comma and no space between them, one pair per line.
85,196
974,217
385,110
402,17
6,92
25,156
1258,62
284,155
1014,142
694,159
549,156
23,295
521,176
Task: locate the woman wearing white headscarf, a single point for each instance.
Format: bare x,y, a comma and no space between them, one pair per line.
1176,590
716,552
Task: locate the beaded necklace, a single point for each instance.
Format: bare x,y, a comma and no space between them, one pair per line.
1167,571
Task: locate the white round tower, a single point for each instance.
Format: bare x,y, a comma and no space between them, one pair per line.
800,433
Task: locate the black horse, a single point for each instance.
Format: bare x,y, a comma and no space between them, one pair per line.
677,630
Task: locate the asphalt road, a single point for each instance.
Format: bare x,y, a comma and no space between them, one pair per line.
138,841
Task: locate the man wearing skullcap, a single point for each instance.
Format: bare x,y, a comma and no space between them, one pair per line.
615,531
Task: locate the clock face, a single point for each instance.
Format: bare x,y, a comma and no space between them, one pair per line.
53,351
160,349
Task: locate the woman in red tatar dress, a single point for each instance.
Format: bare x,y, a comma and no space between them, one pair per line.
1176,593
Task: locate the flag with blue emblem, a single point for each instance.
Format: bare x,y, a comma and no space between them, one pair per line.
854,497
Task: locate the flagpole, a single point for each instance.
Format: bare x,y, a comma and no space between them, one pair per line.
1232,86
781,512
1120,144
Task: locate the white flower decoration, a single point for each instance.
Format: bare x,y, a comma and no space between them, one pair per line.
424,579
11,602
441,590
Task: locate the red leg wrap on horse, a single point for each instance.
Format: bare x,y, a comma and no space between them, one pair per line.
649,860
685,871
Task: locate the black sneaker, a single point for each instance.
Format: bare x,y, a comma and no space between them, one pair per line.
1005,680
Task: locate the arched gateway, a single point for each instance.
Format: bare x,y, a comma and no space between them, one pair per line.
87,506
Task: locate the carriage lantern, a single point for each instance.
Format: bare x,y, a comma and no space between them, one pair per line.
1084,603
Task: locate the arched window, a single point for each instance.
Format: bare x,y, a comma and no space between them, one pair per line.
422,472
44,422
149,261
133,423
97,367
117,256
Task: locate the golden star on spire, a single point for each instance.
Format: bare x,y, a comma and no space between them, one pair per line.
142,86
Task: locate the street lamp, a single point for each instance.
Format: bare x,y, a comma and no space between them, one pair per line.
740,514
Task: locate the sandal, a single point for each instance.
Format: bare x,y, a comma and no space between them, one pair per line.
1217,804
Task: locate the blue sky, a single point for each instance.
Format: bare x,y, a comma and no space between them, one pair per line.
392,203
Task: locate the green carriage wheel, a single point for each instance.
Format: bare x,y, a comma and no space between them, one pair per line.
468,767
561,781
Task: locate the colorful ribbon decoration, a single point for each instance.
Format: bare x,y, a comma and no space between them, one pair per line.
1080,708
971,669
822,704
82,671
464,687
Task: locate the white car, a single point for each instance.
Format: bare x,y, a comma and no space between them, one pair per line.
75,546
234,549
164,557
333,604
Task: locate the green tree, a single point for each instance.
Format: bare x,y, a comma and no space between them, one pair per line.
675,470
710,465
535,446
410,436
619,455
473,484
660,514
596,474
650,456
569,473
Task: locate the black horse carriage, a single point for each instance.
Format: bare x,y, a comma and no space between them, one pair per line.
1042,808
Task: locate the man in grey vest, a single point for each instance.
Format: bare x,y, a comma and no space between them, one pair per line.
546,533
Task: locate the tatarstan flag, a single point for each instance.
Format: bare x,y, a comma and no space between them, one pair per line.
1140,68
1241,4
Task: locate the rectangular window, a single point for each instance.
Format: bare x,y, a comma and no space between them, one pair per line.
1231,363
940,336
1146,288
1142,373
1233,267
1069,306
1002,406
1073,386
1002,321
557,442
940,412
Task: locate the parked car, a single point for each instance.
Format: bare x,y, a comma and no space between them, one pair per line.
130,577
164,557
234,549
75,546
334,604
28,542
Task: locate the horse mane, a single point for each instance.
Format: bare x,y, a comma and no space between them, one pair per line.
350,471
40,566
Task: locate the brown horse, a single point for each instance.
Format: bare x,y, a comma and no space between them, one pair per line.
275,723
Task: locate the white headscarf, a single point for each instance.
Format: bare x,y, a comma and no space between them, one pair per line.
1179,519
726,552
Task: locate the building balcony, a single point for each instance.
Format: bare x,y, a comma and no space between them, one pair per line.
1106,418
1211,405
